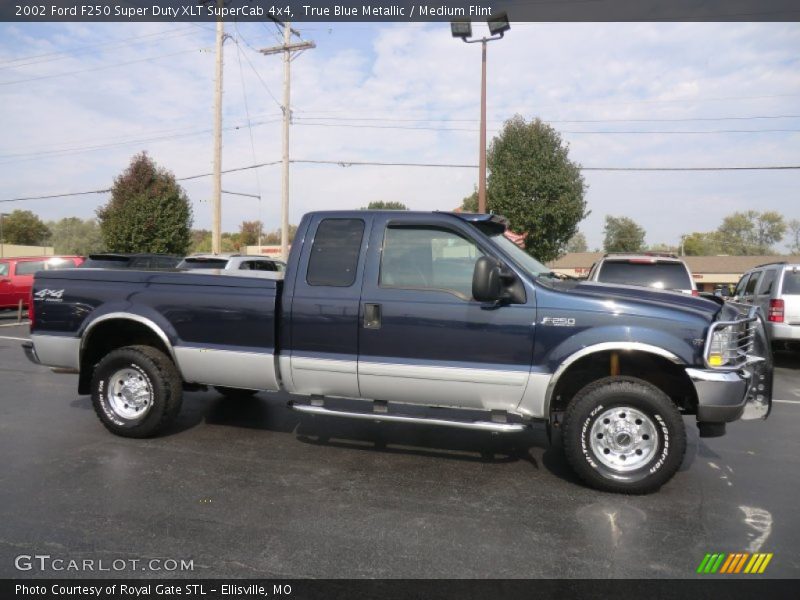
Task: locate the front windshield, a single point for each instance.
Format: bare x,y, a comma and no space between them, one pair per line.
519,256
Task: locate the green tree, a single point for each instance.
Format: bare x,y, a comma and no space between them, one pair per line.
701,244
622,234
577,243
249,232
536,186
751,232
665,248
25,228
72,235
794,236
384,205
148,211
470,203
201,241
274,237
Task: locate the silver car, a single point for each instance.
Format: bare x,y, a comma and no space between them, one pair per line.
232,262
775,287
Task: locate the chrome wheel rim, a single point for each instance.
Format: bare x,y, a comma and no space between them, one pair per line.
624,439
129,394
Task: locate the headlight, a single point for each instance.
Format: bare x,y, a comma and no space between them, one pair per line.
722,347
729,343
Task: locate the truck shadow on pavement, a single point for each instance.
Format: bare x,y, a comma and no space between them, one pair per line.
269,412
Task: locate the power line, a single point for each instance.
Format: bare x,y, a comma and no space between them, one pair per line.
447,120
59,54
100,67
252,66
359,163
605,132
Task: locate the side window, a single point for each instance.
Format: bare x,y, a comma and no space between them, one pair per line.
3,269
335,252
751,285
29,267
767,283
740,286
261,265
428,258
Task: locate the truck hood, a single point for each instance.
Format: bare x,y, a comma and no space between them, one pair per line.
630,293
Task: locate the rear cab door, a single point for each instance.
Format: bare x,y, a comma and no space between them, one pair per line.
323,298
422,338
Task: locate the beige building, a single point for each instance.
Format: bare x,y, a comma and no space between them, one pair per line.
708,271
14,250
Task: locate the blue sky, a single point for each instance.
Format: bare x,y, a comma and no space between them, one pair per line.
80,99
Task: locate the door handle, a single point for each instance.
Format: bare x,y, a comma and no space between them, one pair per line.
372,316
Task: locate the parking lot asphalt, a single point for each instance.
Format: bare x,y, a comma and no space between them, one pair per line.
251,489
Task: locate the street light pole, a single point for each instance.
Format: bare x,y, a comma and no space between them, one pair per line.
482,149
463,29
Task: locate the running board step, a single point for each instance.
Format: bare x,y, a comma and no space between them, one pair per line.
475,425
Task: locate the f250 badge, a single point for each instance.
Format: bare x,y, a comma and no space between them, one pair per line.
558,321
49,295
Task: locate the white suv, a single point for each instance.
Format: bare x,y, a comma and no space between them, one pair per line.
775,287
649,269
232,262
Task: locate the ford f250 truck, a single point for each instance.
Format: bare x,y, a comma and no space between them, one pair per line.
428,309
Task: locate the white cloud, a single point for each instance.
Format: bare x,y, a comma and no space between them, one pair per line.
406,71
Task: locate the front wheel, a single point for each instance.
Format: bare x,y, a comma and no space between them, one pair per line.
623,434
136,391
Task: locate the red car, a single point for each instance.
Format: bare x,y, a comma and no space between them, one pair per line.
16,275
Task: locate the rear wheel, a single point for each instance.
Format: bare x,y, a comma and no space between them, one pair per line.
623,434
136,391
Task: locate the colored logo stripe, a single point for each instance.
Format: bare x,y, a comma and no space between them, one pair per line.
734,563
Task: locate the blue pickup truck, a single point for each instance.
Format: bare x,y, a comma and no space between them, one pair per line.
393,309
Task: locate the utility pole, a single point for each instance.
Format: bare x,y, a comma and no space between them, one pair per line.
216,197
286,49
2,241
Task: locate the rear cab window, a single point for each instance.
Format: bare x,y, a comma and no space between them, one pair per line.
335,253
666,275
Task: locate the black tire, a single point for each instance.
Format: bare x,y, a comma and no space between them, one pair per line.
655,447
153,368
235,393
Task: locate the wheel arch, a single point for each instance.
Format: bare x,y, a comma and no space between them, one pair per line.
652,364
115,330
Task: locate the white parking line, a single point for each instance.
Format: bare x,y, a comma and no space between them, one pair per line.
15,324
7,337
786,401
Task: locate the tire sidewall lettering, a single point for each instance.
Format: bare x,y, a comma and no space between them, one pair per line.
104,404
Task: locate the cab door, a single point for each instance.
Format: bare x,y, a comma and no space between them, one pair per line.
323,346
423,339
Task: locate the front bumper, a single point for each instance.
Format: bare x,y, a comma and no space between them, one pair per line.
725,395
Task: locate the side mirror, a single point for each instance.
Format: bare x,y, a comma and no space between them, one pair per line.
487,280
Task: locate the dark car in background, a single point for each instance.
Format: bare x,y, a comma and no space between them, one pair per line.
109,260
654,270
